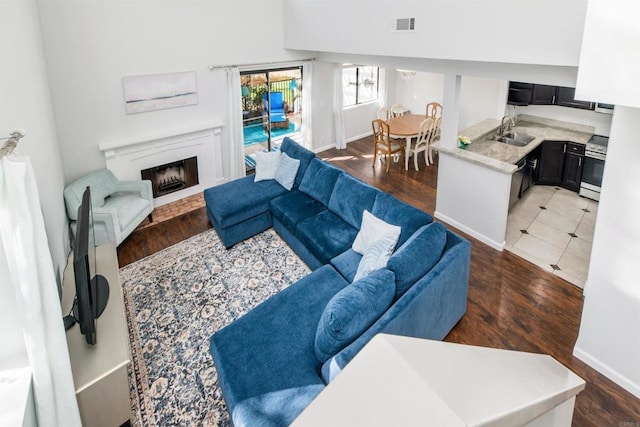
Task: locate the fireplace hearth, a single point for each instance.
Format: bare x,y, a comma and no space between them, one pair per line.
172,176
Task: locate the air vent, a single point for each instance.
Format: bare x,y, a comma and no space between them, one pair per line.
404,24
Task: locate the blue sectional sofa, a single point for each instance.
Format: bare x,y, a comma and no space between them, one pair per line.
276,359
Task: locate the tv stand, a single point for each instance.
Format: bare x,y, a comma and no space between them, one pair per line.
100,371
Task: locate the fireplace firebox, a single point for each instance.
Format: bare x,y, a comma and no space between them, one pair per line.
172,176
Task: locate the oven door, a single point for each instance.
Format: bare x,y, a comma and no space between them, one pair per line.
592,171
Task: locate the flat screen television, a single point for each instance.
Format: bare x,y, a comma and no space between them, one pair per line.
92,289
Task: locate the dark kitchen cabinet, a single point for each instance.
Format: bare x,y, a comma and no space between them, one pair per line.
551,162
560,164
543,95
566,98
534,94
531,170
519,93
572,172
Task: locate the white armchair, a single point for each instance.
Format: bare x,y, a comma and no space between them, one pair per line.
118,206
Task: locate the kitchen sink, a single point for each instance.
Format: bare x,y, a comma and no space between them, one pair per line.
515,139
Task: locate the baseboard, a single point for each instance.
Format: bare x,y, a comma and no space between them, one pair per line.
484,239
607,371
357,137
326,147
354,138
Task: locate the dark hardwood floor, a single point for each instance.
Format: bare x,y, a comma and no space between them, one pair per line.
512,304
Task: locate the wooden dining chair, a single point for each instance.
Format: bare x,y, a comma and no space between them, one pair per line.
434,110
383,113
382,143
396,110
435,136
426,129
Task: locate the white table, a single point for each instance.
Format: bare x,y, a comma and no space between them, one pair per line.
408,381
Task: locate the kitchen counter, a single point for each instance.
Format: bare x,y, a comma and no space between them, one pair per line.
484,150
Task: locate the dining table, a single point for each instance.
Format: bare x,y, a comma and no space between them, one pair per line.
406,126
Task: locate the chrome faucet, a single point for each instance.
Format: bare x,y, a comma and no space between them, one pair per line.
506,128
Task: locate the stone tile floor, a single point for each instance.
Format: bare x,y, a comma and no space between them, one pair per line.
553,228
174,209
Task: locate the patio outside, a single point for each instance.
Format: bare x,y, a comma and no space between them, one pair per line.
264,129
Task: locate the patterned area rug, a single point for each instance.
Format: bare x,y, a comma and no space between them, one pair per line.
175,300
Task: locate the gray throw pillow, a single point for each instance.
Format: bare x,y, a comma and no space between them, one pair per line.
286,171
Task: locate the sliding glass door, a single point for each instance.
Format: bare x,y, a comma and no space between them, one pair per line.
271,109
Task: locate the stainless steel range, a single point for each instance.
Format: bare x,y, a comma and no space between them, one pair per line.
594,158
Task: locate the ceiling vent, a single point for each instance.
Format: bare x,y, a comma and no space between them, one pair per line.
403,24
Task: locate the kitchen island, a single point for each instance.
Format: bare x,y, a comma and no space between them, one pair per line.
474,184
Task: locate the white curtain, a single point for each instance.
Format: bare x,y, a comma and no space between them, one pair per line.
307,88
383,85
338,111
27,267
235,154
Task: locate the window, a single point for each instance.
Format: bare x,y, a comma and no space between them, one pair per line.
359,84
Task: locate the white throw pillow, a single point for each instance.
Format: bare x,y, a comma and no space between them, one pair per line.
372,230
375,257
266,165
287,171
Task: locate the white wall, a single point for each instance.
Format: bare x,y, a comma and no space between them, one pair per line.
547,33
608,338
417,91
473,198
357,120
26,103
322,116
90,46
480,99
610,53
601,121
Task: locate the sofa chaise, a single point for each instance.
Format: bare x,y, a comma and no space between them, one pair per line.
273,361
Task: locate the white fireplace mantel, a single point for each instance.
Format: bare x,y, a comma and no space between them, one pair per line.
126,158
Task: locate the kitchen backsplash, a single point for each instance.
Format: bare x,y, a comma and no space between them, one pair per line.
600,121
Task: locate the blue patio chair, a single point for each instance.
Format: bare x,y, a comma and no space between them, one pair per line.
275,105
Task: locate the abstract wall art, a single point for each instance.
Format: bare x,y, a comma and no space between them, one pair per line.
159,91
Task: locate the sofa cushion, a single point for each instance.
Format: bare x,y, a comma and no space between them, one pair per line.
293,207
240,199
319,180
351,311
372,230
347,263
275,409
325,235
350,198
375,257
417,256
297,151
394,211
271,347
286,171
266,165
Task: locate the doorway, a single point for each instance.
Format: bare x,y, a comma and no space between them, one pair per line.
271,109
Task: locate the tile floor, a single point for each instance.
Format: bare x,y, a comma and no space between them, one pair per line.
553,228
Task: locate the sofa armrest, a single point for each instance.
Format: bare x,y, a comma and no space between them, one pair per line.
141,187
109,217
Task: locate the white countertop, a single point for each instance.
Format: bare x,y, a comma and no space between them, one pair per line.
487,152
